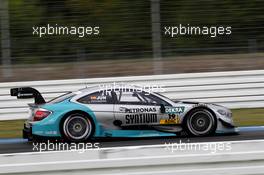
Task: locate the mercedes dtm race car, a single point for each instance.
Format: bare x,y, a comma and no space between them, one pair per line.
93,112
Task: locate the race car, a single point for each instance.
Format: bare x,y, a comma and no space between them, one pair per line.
114,112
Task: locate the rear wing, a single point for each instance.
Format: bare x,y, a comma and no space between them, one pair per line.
27,92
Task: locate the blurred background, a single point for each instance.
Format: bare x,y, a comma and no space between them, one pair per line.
131,40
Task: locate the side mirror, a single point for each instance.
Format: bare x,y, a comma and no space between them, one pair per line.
162,108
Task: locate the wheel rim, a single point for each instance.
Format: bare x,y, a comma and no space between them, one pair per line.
77,127
200,122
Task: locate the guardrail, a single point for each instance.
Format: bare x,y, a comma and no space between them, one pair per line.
236,157
235,89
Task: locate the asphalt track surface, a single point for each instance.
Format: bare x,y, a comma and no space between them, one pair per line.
246,133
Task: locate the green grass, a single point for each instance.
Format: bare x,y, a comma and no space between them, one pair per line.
11,128
242,117
249,117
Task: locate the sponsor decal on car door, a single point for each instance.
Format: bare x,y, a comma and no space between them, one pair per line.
130,115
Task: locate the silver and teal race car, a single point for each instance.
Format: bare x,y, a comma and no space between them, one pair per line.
128,112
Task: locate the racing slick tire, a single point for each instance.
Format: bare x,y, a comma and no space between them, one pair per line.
77,127
200,122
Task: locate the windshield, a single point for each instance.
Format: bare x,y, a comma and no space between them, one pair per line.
163,96
62,97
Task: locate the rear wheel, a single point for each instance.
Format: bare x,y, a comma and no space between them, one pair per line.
77,127
200,122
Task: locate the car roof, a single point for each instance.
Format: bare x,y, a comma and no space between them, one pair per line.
97,87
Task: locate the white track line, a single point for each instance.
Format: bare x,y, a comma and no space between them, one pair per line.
131,158
130,147
192,170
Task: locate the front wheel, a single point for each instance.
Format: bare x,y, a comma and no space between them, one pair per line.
201,122
77,128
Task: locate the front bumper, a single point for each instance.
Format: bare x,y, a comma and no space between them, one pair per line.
226,124
225,127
